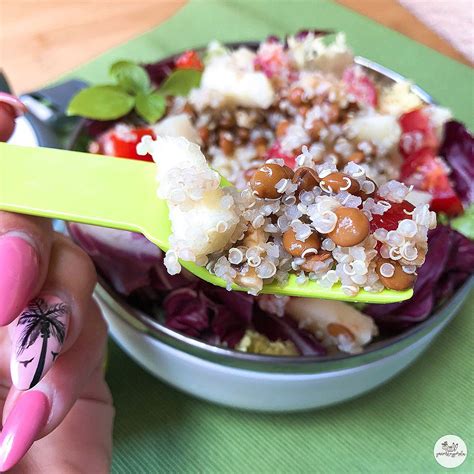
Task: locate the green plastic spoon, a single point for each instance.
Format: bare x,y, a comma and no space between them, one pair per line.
118,193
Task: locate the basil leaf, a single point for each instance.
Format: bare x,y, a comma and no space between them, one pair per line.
180,82
132,77
465,223
101,103
150,107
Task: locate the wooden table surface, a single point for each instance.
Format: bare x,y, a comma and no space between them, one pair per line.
39,40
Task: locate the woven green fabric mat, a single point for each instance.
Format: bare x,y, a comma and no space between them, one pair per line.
392,429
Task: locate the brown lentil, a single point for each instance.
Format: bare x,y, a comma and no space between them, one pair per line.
306,179
352,227
356,157
296,96
336,330
351,108
243,133
226,144
318,99
363,195
281,128
249,279
315,130
227,121
254,237
337,181
311,260
333,112
188,109
260,144
204,134
296,247
303,110
400,280
265,178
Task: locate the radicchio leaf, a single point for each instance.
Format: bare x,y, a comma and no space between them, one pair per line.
449,262
302,34
160,70
457,149
126,259
233,314
186,312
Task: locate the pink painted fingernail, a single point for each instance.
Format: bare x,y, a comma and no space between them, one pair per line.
19,270
24,423
37,340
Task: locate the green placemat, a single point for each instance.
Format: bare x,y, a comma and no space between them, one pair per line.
392,429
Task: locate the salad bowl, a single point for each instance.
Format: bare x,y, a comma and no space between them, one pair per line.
259,381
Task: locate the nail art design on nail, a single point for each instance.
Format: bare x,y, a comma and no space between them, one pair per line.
38,338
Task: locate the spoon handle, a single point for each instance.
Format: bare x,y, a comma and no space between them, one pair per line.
73,186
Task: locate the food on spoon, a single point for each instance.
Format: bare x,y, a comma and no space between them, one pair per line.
269,229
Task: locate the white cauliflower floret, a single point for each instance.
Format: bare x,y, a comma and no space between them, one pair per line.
214,48
382,130
177,126
398,99
333,321
206,227
200,222
313,53
182,171
229,78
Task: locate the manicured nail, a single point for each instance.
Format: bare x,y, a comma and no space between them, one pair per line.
19,269
24,423
37,340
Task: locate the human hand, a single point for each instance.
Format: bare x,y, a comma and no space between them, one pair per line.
52,344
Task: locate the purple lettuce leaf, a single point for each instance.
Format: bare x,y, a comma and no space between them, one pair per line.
286,329
457,148
127,260
186,312
228,326
302,34
160,70
449,262
232,313
210,313
95,128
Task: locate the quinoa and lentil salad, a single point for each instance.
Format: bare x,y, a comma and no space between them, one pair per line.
337,177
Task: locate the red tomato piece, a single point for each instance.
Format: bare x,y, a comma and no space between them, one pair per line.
360,86
417,132
389,219
275,152
123,144
189,60
427,172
